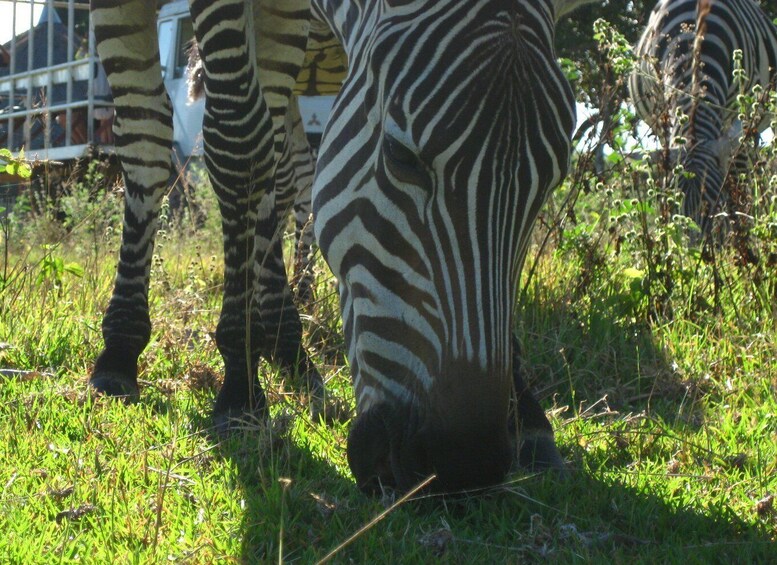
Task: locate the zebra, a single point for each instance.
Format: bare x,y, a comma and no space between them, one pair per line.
683,85
257,304
451,128
321,74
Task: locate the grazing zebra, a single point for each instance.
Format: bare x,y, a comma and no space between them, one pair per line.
684,86
452,126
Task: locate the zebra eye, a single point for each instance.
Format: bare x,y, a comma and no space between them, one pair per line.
398,153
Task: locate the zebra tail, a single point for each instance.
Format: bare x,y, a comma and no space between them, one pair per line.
195,74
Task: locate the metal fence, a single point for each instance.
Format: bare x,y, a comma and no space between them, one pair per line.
54,98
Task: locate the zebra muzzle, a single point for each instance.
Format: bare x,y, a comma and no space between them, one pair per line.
396,447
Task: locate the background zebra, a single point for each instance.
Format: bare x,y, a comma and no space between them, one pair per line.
452,126
683,87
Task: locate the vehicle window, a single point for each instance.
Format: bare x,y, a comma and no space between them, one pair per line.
165,44
185,35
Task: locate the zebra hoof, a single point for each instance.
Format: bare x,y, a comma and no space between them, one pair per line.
317,406
226,422
538,452
115,386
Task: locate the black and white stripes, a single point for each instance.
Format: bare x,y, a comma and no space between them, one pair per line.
143,128
684,89
452,126
252,165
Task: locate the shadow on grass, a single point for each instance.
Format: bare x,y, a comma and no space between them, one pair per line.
594,519
579,359
291,497
298,505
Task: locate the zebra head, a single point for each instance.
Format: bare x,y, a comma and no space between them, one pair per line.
705,166
451,128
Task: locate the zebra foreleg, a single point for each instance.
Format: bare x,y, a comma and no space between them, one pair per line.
240,335
535,445
144,133
126,326
239,152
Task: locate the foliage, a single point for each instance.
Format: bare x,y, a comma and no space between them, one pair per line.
53,268
574,40
14,166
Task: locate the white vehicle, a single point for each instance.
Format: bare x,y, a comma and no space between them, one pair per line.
175,31
54,99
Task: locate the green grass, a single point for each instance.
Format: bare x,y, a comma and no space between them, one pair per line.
664,402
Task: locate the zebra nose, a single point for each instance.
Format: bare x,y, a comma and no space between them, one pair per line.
471,458
369,450
387,449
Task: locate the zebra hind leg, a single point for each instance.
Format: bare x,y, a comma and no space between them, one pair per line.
239,156
280,317
535,446
303,164
303,254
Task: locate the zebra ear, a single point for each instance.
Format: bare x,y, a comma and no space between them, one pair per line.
563,7
729,142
